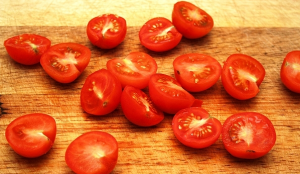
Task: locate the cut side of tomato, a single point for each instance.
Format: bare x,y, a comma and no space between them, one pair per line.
248,135
92,152
191,21
64,62
290,71
139,109
168,95
31,135
159,34
196,72
106,31
134,70
241,76
27,49
195,128
101,93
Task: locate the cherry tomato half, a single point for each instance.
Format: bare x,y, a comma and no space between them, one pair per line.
159,34
196,72
248,135
101,93
241,76
106,31
290,71
194,127
92,153
167,94
31,135
139,109
191,21
134,70
64,62
27,49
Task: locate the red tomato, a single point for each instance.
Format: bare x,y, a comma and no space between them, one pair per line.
196,72
248,135
134,70
106,31
194,127
31,135
290,71
27,49
167,94
92,153
159,34
241,76
139,109
101,93
64,62
191,21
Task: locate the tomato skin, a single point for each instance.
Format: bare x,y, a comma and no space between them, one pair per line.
195,128
290,71
196,72
159,35
139,109
167,94
31,135
64,62
92,153
134,70
27,49
248,135
101,93
241,76
114,28
191,27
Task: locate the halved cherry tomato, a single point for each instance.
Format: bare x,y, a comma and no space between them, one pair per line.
134,70
248,135
106,31
31,135
92,152
101,93
191,21
194,127
241,76
27,49
64,62
196,72
139,109
290,71
159,34
167,94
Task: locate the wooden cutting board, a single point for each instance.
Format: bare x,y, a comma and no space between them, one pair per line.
28,89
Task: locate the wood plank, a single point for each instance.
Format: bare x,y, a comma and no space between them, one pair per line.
28,89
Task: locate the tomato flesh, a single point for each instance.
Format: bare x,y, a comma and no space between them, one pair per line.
134,70
159,34
191,21
241,76
290,71
139,109
196,72
106,31
248,135
168,95
92,152
101,93
27,49
31,135
195,128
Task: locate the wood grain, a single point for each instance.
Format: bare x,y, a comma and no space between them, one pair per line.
28,89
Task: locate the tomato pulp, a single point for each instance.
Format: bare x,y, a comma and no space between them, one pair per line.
248,135
27,49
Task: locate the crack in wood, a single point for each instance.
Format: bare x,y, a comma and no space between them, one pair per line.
2,110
